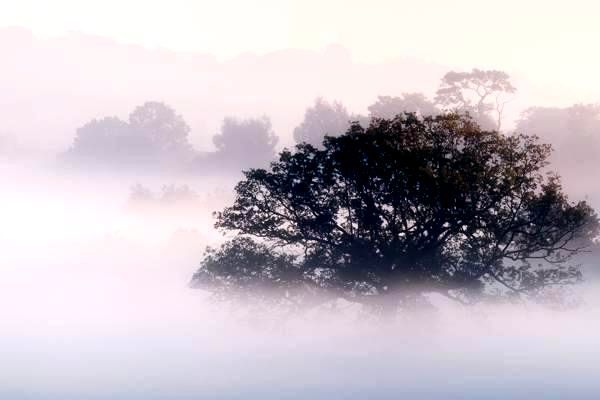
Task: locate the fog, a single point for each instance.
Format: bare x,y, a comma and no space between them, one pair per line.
95,304
96,257
93,76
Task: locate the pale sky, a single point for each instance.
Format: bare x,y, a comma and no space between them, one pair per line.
550,42
505,30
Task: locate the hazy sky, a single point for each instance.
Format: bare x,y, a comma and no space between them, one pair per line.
550,41
508,31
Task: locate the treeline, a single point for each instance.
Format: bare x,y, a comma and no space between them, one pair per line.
156,137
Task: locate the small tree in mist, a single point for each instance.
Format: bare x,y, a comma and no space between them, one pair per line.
101,139
166,130
323,118
388,107
246,142
481,93
153,135
408,206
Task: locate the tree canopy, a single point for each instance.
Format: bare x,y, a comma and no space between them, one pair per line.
246,142
240,143
153,135
407,206
165,129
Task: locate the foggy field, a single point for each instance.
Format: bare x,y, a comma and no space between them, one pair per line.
95,305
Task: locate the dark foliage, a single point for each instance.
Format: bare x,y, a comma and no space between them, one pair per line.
405,207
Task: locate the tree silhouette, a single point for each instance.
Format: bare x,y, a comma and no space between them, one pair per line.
408,206
245,142
478,93
154,135
322,119
388,107
103,139
166,130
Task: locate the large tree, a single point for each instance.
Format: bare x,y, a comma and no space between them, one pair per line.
482,93
405,207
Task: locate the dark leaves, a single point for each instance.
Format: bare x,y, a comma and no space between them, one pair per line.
434,203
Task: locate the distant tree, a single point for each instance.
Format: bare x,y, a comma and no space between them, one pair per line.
102,139
383,215
245,142
584,119
322,119
166,130
574,132
549,123
388,107
575,136
481,93
154,134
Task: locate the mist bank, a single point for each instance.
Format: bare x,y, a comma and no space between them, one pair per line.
348,361
70,95
96,304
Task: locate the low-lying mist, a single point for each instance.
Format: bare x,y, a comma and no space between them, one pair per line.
95,304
